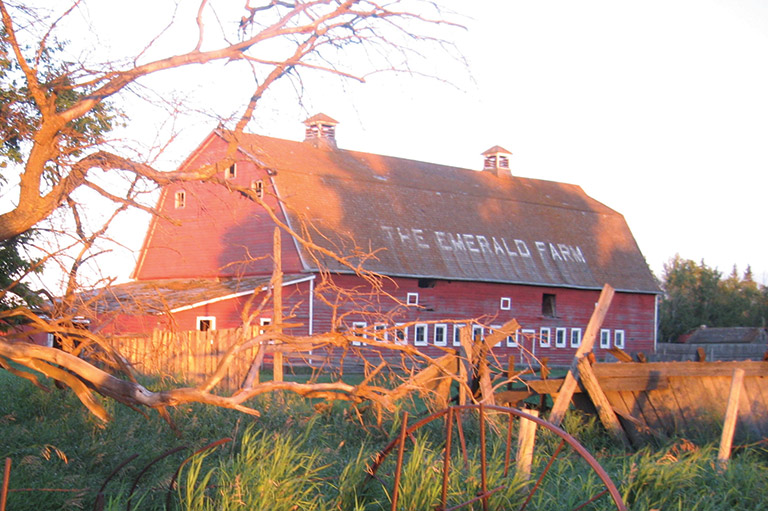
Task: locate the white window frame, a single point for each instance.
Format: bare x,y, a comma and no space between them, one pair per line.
264,322
412,298
421,334
493,329
440,327
575,337
180,199
200,319
478,329
457,333
400,327
513,341
257,185
384,335
561,340
231,171
357,326
529,332
50,339
618,338
545,332
605,338
505,303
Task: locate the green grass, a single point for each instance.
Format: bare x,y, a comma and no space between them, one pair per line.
296,456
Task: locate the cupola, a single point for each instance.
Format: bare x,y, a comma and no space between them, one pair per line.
496,160
320,131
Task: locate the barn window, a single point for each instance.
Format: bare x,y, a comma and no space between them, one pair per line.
205,323
560,338
605,338
457,333
477,333
180,200
427,283
575,337
231,172
412,299
441,334
505,303
420,335
264,322
401,333
618,338
548,308
258,187
358,330
380,332
514,339
544,337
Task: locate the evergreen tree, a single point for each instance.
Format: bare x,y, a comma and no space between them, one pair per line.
696,294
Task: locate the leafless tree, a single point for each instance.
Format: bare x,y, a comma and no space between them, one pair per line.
61,111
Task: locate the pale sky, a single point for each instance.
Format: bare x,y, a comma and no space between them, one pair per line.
658,109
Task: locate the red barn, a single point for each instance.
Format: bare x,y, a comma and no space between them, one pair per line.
455,244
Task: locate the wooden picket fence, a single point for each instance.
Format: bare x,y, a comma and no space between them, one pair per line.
190,356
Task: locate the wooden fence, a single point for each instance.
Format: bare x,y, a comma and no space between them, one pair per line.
190,356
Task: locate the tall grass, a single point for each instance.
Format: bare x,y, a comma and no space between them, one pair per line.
298,457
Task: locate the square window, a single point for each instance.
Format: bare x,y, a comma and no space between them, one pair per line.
575,337
544,337
457,333
264,322
505,303
420,334
231,172
440,337
380,332
412,299
401,334
548,305
206,323
180,199
358,330
618,338
560,338
605,338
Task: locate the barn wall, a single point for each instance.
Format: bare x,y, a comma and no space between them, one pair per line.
228,312
219,233
634,314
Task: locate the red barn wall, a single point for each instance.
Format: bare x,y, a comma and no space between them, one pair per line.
632,313
219,233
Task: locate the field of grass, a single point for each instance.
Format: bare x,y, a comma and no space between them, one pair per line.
296,456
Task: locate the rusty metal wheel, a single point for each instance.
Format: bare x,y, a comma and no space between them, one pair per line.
480,471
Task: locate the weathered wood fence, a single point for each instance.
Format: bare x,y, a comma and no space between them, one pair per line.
190,356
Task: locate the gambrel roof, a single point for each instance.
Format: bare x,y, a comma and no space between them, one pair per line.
426,220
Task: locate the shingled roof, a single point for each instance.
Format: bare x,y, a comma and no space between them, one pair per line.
435,221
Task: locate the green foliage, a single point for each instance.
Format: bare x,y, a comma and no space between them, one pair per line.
696,294
14,266
20,116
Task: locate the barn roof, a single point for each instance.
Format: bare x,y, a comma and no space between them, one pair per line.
169,295
435,221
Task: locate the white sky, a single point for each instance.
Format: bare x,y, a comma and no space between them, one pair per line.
658,109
